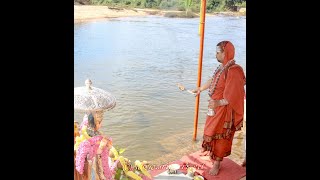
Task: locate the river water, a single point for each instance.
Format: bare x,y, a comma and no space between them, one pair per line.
139,60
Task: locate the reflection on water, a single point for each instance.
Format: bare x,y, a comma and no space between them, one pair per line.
140,60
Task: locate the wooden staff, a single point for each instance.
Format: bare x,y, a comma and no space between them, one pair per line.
202,21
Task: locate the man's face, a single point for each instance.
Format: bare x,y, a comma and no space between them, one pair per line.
219,54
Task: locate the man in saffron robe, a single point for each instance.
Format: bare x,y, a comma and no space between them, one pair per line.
226,92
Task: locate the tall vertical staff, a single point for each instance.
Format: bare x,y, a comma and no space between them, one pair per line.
201,29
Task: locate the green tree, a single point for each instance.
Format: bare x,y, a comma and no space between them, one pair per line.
187,5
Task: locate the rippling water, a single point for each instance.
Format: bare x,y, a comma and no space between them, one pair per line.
140,60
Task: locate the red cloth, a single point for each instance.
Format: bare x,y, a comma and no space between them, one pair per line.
229,170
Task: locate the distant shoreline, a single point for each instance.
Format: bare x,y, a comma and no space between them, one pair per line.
84,13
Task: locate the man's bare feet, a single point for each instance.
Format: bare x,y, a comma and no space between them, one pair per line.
203,152
205,158
215,169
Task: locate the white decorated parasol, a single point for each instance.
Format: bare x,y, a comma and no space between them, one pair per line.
88,98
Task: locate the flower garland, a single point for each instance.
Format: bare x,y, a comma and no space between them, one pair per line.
84,135
142,169
105,163
144,175
113,167
115,153
79,139
85,149
84,121
211,90
131,174
88,149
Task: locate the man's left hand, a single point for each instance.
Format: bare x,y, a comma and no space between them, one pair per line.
213,103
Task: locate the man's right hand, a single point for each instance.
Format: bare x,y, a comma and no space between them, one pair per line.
196,91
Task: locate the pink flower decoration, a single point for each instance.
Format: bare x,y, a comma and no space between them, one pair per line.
88,148
84,123
113,167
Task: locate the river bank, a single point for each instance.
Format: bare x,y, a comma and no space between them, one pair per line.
83,13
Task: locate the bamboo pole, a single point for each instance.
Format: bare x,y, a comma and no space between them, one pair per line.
202,22
201,16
